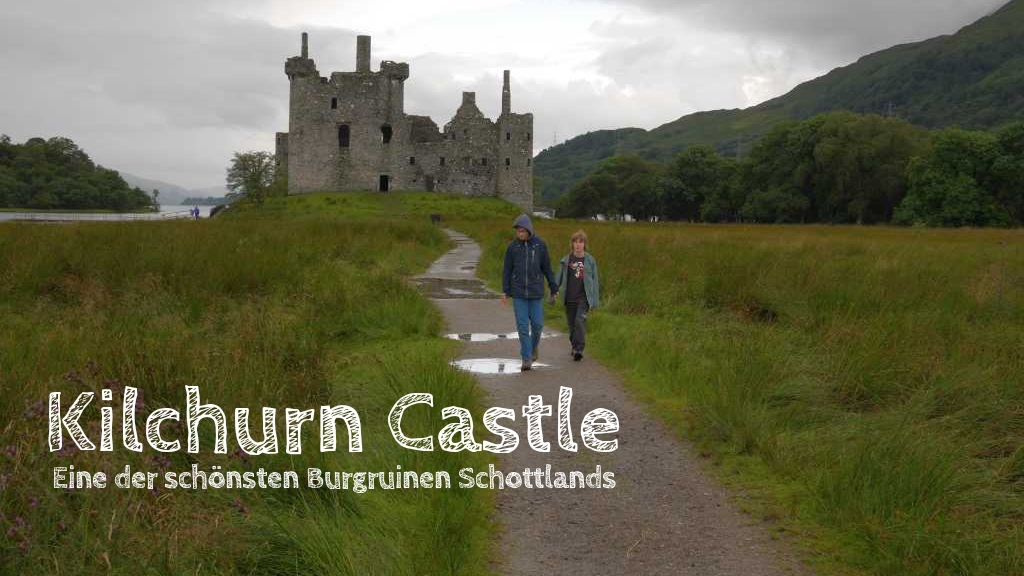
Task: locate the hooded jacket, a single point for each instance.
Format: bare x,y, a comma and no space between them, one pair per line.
527,265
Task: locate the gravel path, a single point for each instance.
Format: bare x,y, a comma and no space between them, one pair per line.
664,516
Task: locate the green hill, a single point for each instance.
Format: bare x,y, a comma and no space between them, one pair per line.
972,79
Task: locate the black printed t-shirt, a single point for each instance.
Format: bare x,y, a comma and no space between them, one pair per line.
574,290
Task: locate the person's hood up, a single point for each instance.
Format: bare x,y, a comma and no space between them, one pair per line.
523,221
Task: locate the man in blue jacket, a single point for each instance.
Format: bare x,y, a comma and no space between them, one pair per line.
527,265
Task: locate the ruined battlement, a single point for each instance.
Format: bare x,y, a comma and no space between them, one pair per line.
350,132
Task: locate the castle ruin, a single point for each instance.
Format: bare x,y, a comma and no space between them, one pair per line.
351,132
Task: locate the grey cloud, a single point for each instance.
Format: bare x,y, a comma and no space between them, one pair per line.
166,91
170,90
826,31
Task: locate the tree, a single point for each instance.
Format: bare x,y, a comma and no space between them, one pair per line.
780,173
251,174
860,164
952,186
701,185
1008,171
56,173
621,185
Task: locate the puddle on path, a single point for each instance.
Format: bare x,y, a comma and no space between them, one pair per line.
493,365
448,288
488,337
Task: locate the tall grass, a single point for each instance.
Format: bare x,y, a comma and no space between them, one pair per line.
283,312
866,384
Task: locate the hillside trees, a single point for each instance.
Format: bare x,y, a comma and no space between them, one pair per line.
969,179
621,185
835,168
57,174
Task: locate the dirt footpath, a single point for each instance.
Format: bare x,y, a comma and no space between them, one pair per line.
664,515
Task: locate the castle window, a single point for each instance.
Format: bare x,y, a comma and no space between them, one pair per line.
442,160
483,161
334,103
508,162
385,134
528,161
343,136
412,160
465,132
527,135
508,135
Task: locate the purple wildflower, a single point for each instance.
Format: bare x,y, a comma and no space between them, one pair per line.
34,410
240,455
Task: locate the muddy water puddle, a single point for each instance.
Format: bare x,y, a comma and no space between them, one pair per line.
493,365
449,288
489,337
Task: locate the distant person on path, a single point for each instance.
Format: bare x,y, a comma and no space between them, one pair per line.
577,281
195,212
527,265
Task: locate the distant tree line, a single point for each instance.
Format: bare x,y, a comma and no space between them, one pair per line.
57,174
835,168
207,201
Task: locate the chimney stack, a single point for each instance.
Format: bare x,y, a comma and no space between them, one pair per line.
305,45
506,96
469,98
362,53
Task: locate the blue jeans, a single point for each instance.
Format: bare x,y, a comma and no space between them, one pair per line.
529,315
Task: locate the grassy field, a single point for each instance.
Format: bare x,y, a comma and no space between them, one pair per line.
374,205
295,310
862,387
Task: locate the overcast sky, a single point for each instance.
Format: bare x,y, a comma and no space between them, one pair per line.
168,90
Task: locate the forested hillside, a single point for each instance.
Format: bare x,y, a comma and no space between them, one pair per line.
972,79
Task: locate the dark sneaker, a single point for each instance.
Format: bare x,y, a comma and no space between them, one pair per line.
527,365
577,356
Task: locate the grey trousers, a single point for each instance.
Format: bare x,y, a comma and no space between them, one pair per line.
576,314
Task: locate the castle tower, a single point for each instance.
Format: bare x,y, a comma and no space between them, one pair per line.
515,151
